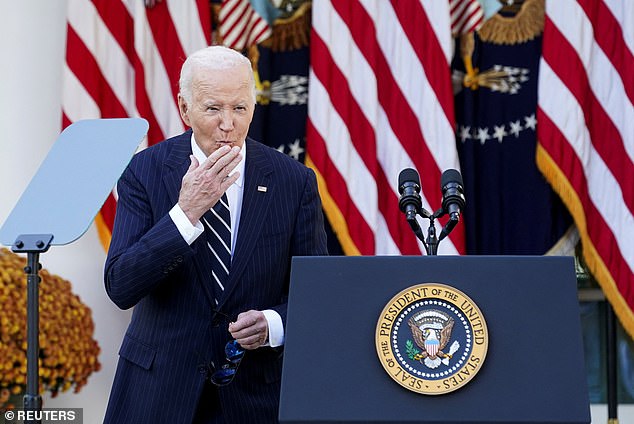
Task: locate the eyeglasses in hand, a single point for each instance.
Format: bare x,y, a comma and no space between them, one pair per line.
233,356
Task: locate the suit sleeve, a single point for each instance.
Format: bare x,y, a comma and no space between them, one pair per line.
143,250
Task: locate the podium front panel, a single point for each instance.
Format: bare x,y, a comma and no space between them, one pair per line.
534,369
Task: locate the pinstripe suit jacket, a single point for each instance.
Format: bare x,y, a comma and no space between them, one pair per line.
173,330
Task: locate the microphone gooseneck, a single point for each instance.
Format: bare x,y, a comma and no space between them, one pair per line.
411,204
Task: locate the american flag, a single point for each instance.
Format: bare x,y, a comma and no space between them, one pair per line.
586,133
466,16
380,100
123,60
241,26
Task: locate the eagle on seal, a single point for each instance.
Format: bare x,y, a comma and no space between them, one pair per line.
431,331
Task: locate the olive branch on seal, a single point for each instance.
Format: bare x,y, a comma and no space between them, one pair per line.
411,351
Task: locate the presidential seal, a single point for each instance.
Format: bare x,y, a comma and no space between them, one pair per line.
431,338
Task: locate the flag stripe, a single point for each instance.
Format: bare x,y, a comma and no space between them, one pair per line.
156,83
623,12
260,32
612,42
362,86
240,25
360,232
602,193
586,134
250,23
566,63
83,64
234,21
594,223
117,19
360,181
470,21
362,138
167,44
373,110
116,71
191,22
124,60
416,25
80,104
403,122
120,23
600,69
361,132
458,7
231,16
466,16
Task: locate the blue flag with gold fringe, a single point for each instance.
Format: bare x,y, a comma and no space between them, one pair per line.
511,209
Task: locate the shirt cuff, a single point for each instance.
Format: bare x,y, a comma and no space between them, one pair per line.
276,328
188,231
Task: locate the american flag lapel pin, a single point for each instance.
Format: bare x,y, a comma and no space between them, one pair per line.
262,189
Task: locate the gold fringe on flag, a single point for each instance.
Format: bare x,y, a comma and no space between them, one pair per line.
333,214
104,232
597,267
527,24
216,38
291,33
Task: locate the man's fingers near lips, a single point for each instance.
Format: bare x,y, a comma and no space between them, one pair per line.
213,158
226,152
226,163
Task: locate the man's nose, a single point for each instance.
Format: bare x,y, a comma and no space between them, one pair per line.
226,120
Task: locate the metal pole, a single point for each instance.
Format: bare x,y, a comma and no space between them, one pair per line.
611,364
32,245
32,398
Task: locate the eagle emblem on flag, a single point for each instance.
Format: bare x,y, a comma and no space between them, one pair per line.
431,331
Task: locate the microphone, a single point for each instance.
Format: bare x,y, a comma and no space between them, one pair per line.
452,199
409,188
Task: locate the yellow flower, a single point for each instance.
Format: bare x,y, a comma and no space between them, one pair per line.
68,352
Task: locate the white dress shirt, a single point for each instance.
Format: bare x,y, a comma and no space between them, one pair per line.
192,232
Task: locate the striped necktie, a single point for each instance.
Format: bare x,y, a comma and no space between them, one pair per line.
217,222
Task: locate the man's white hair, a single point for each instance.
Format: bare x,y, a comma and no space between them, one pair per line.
213,58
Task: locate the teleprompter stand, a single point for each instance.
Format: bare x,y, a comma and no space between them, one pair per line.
59,205
32,245
533,373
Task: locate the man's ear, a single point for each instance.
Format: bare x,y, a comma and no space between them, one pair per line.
183,108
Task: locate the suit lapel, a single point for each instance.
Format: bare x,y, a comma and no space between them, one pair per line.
176,165
255,204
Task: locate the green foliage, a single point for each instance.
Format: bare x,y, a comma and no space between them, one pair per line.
411,351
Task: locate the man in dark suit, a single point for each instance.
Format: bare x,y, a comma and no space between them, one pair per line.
166,257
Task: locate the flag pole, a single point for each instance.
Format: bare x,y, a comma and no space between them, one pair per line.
611,365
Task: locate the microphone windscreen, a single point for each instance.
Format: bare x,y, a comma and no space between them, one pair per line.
450,176
408,175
